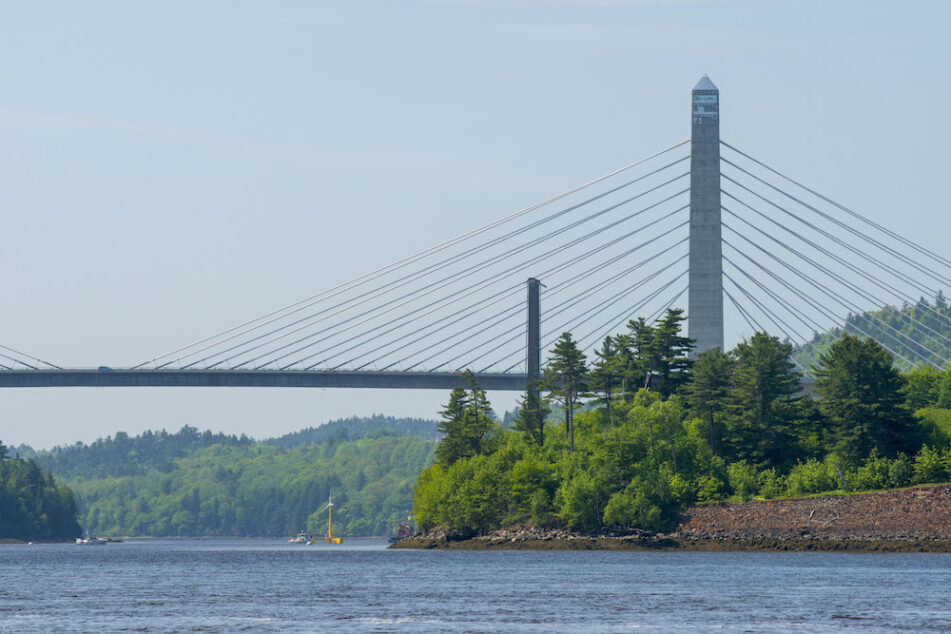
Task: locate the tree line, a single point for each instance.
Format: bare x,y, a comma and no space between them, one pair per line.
630,438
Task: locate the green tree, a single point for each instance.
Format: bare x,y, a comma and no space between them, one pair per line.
922,386
33,505
606,374
672,365
637,352
466,423
455,443
531,416
565,379
707,394
655,357
944,390
861,393
761,412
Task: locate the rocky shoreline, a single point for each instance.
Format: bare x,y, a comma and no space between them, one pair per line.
902,520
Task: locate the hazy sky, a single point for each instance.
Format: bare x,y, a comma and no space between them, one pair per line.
168,169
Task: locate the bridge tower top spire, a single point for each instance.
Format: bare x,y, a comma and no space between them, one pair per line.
705,84
705,286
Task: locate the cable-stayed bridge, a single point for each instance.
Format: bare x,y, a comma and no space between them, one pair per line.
700,223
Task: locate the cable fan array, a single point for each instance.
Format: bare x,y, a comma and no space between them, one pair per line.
11,359
607,250
797,263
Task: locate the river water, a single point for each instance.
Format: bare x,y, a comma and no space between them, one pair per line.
273,586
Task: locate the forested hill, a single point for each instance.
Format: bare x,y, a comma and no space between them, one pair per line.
917,332
33,505
124,455
192,483
354,427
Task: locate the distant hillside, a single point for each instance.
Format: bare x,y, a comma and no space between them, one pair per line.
917,332
356,427
192,483
122,455
261,490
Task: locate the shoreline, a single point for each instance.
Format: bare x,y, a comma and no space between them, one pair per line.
909,520
679,544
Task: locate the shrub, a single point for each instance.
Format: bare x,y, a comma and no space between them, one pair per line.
579,503
743,480
710,489
541,509
873,474
771,484
900,471
929,466
812,477
631,508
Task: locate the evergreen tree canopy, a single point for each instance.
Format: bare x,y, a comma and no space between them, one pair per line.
607,373
33,506
764,381
655,357
861,395
531,416
566,379
466,423
707,395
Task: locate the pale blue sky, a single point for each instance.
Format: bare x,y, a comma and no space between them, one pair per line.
169,169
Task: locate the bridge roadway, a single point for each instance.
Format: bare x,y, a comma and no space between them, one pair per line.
256,378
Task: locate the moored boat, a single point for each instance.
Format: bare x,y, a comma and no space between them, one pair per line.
404,531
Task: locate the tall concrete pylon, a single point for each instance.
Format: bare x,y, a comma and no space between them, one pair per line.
705,286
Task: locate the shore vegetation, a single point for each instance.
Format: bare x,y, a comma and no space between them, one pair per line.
630,438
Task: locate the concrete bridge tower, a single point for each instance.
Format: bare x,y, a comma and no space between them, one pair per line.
705,286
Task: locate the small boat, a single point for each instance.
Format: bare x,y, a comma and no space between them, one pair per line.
404,531
301,538
91,541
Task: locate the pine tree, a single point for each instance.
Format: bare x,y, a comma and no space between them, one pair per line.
639,353
707,394
655,357
673,364
454,444
764,382
565,379
861,395
606,375
466,422
531,416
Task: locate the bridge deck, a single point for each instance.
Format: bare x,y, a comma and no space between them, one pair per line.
255,378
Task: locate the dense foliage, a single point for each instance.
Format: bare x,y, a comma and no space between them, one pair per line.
659,431
190,483
33,506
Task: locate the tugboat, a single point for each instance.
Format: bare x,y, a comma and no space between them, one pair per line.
405,530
